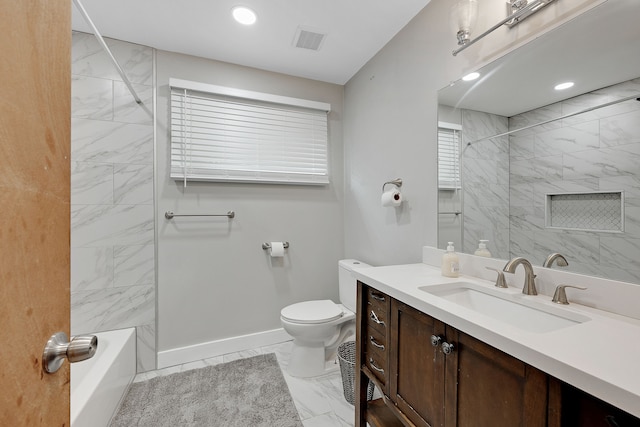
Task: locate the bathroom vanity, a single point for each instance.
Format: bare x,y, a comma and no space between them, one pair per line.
440,362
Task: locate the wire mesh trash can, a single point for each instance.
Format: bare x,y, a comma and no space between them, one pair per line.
347,358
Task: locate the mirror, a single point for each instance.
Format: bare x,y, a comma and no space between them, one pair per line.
570,185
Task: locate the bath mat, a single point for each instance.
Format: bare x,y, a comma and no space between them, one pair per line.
246,392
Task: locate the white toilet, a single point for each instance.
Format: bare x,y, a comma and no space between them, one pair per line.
319,327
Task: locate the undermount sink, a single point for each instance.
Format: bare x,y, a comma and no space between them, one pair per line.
515,309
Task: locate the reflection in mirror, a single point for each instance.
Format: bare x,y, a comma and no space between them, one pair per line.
570,185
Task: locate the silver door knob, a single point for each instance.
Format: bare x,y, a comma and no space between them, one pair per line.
80,348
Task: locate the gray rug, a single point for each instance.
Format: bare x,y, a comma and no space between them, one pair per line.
243,393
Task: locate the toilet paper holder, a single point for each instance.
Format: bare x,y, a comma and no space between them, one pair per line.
267,245
397,182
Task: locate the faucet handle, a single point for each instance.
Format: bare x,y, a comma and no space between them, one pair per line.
500,281
560,296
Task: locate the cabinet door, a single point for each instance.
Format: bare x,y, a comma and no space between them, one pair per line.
416,380
485,387
584,410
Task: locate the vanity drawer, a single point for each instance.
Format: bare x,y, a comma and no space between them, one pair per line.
376,347
376,361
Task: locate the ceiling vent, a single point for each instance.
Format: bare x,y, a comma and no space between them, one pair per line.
307,38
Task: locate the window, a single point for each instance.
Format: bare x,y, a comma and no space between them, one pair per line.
226,134
449,156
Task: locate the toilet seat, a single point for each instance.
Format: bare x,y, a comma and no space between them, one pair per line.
312,312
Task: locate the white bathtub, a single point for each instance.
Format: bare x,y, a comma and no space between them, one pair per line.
98,384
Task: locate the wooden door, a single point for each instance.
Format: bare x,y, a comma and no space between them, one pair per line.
417,368
485,387
35,96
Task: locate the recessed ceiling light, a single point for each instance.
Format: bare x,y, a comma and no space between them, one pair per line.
471,76
244,15
563,86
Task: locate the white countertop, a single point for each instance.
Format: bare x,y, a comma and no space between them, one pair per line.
599,356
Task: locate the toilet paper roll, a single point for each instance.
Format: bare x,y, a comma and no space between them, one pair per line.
277,249
391,197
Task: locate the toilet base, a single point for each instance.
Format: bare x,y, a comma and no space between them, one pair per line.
308,361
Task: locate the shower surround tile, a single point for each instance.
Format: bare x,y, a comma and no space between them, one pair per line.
113,308
621,129
89,59
91,268
621,253
133,184
533,117
91,98
112,216
91,183
106,141
568,139
599,151
126,110
619,160
133,265
109,225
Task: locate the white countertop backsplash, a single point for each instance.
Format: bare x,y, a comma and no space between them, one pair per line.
599,356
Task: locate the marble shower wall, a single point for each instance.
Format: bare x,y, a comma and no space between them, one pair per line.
485,178
112,213
595,151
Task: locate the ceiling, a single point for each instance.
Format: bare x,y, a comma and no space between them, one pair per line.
597,49
356,30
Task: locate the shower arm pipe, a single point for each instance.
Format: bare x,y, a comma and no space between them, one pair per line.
528,9
566,116
96,33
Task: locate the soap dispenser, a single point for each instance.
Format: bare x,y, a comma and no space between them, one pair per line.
482,249
450,262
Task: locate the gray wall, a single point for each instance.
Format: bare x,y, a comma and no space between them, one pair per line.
112,223
391,122
214,279
596,151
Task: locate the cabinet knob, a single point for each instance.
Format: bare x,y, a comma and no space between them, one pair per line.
435,340
447,348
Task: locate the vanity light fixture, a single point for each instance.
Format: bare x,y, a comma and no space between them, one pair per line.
465,12
563,86
517,11
244,15
471,76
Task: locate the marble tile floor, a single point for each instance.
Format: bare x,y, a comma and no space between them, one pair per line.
319,400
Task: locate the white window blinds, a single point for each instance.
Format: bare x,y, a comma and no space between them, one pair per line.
448,156
226,134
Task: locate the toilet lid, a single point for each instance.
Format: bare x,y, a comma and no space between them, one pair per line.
319,311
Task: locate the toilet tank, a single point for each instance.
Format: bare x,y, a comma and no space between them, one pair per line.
347,283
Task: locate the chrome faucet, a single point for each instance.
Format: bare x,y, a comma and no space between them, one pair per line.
560,260
529,278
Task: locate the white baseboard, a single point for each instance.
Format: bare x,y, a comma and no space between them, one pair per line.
192,353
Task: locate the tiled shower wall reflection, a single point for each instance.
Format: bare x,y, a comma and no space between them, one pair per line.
595,151
112,212
485,178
